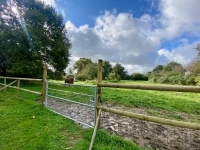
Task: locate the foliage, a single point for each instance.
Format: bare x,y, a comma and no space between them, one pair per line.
86,69
81,77
174,68
158,68
139,76
31,35
107,68
118,72
172,73
81,64
195,80
113,76
197,49
193,68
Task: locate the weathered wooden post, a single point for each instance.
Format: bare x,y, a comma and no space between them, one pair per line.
18,84
98,98
44,84
5,83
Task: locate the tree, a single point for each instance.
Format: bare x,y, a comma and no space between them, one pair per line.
119,72
197,49
158,68
139,76
90,71
174,68
107,68
81,64
31,35
172,73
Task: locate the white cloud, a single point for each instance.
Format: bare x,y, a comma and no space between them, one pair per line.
182,54
178,17
134,42
49,2
117,38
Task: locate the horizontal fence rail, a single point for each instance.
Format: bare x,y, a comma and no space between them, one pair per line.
60,83
28,79
34,92
181,124
194,89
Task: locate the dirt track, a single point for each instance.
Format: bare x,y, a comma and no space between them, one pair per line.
144,133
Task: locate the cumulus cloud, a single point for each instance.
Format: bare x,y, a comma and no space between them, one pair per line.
49,2
134,42
182,54
178,17
115,37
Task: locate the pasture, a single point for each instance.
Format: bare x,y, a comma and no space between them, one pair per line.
26,124
171,105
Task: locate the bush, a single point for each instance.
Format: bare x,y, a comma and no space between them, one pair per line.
139,76
81,77
196,80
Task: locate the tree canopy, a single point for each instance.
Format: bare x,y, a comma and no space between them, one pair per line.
31,33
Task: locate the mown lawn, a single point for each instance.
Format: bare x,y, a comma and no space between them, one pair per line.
26,125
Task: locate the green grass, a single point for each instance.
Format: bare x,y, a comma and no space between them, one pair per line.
26,125
51,131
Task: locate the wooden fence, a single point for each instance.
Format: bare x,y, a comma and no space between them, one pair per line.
17,87
181,124
188,125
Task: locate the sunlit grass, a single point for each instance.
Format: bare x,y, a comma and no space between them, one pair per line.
26,124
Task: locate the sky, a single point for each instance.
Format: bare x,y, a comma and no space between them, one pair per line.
138,34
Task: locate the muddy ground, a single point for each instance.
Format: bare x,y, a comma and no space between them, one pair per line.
144,133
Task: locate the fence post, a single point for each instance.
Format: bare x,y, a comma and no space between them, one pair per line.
18,84
5,83
44,84
98,98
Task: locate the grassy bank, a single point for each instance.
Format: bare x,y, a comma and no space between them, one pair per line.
25,124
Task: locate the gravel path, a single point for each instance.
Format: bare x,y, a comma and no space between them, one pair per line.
144,133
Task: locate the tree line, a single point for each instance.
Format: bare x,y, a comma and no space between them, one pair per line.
172,73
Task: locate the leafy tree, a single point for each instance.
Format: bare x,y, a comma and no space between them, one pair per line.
90,71
119,72
81,64
113,76
197,49
172,73
174,67
193,68
107,68
30,35
158,68
139,76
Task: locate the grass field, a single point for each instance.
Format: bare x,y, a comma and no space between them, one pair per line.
26,125
50,131
174,104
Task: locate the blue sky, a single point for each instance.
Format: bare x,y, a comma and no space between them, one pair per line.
139,34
